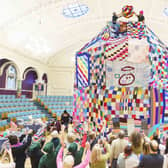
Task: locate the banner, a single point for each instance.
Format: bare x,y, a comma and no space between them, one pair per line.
124,74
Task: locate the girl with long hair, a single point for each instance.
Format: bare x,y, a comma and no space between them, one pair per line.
98,158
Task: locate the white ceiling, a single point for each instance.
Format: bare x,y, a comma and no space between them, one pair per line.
37,28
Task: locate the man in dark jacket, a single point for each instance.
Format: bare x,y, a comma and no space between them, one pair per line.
152,160
18,149
65,117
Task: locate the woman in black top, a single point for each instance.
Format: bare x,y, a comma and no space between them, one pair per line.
65,117
18,149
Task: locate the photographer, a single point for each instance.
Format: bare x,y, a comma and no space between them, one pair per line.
18,148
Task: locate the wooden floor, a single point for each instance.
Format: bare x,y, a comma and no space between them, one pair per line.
27,164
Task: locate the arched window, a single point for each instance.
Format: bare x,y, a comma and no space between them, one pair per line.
11,77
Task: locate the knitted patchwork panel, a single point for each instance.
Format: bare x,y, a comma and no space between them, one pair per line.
81,103
159,59
116,102
97,70
153,39
136,30
138,51
158,105
126,74
165,97
82,70
159,69
95,101
117,51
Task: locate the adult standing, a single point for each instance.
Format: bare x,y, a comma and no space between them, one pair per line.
154,159
18,149
127,159
140,16
137,142
114,18
65,117
117,147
